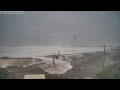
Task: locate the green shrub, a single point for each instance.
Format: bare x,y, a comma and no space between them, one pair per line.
3,73
108,73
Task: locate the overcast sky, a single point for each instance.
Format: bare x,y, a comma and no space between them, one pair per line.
58,28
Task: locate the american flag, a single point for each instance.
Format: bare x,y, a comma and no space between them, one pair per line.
74,37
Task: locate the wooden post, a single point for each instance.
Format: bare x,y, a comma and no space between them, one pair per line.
59,53
104,58
103,61
53,60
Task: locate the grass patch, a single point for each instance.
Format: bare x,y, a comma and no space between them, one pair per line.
108,73
3,73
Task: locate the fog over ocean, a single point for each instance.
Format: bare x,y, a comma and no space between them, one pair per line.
38,51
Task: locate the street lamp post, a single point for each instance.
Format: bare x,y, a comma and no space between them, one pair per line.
103,61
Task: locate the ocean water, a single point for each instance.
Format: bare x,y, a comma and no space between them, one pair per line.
38,51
